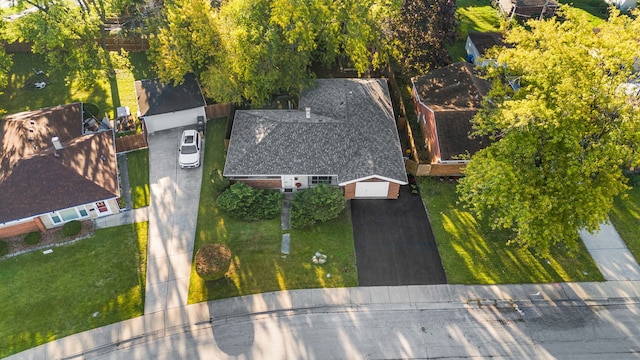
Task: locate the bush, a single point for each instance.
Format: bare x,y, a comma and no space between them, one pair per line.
212,261
316,205
219,182
243,202
71,228
4,248
33,238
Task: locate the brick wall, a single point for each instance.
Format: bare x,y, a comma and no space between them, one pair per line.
264,184
350,191
19,229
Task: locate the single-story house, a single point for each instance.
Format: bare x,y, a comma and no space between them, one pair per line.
527,9
54,170
344,133
446,100
165,106
477,45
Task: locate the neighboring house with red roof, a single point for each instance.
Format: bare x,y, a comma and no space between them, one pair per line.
446,100
343,134
55,167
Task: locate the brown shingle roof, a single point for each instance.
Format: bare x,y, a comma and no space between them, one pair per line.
453,87
34,181
454,93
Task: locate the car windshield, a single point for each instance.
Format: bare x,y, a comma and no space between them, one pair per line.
189,149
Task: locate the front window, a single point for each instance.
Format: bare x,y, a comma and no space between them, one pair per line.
68,214
321,180
56,219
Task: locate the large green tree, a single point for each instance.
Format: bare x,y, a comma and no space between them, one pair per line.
421,31
260,47
564,137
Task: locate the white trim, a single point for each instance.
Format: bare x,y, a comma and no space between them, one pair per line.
372,177
17,222
452,162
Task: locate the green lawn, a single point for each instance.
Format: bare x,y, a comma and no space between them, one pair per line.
257,265
474,16
47,297
138,165
625,217
473,254
15,97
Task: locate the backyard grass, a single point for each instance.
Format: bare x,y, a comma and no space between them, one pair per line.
625,217
17,97
138,166
473,16
20,96
92,283
473,254
257,265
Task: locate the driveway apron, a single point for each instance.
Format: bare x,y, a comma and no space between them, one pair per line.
394,242
173,214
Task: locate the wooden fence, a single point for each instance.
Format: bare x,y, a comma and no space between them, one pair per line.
131,142
217,110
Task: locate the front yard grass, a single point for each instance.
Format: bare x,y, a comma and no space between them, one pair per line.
625,217
138,165
473,254
257,265
47,297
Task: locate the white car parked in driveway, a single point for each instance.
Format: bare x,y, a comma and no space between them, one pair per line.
190,145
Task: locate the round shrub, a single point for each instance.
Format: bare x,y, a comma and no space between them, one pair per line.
243,202
33,238
4,248
213,261
71,228
316,205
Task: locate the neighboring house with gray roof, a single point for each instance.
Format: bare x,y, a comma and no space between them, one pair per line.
54,169
446,100
343,134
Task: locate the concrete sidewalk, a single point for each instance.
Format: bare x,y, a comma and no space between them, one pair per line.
123,218
191,319
610,253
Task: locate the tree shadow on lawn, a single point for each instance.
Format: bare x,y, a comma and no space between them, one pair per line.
473,253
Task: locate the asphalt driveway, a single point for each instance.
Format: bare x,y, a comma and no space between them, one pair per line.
394,242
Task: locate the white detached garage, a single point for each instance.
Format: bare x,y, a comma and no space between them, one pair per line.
166,106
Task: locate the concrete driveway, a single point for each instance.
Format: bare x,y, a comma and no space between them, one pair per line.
394,242
173,214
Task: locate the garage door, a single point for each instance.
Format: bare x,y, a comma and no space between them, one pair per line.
372,189
171,120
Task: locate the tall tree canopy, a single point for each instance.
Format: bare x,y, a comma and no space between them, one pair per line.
260,47
563,139
422,30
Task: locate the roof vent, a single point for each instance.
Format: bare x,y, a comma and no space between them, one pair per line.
307,111
56,143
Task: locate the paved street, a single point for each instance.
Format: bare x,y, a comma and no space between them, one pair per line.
535,321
